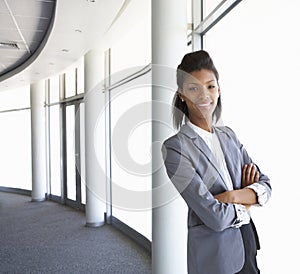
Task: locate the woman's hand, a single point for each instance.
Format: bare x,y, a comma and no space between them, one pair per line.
250,175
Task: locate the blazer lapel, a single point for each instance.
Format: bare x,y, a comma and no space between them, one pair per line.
202,146
229,155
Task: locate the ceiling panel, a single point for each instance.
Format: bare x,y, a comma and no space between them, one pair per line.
9,35
31,8
14,60
32,23
12,57
6,21
25,23
2,6
33,36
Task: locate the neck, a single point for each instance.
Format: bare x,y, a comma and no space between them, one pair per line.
205,124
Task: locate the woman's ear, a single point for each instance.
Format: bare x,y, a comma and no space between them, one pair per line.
180,95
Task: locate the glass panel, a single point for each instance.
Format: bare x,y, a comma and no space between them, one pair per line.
54,89
131,188
80,76
129,55
258,59
189,11
189,16
71,171
133,49
209,6
15,98
55,184
15,147
216,15
70,82
82,154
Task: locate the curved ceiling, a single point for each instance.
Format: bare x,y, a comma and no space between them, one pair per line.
45,48
23,27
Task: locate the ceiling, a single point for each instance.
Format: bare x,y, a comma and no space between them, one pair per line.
23,27
41,38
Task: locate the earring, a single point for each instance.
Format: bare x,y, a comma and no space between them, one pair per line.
180,96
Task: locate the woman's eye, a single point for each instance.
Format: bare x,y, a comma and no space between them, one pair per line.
193,88
211,86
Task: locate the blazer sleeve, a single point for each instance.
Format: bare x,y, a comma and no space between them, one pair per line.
217,216
264,181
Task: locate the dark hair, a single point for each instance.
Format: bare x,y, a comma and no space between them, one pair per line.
193,61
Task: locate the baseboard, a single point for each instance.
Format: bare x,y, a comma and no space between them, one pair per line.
15,190
132,234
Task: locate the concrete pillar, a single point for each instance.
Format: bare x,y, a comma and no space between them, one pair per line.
94,100
38,141
169,215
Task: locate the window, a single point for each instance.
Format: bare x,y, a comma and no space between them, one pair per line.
15,99
15,138
55,148
70,82
129,55
209,6
257,54
80,76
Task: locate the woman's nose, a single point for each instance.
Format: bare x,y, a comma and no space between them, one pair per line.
203,93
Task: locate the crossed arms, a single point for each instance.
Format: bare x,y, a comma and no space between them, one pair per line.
246,196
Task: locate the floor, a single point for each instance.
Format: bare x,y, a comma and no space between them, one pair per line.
51,238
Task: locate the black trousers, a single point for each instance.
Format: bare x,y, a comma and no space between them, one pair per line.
251,245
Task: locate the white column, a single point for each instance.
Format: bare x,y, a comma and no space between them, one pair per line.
169,44
38,141
94,101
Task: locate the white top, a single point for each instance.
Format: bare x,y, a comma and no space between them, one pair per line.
212,141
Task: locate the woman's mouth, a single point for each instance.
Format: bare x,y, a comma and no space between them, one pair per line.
207,104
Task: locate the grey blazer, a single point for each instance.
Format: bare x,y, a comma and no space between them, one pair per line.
214,246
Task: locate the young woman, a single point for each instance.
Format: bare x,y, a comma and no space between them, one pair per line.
214,174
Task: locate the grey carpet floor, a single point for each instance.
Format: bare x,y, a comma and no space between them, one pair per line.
50,238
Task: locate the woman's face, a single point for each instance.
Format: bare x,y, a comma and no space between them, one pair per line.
200,92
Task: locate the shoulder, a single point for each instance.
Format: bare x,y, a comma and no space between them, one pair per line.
229,133
227,130
173,141
185,135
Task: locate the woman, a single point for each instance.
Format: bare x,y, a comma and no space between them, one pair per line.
214,174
